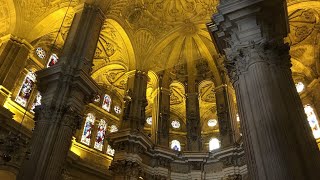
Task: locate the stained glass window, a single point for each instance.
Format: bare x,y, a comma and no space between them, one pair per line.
214,143
149,120
313,122
100,135
52,60
117,109
175,145
175,124
212,122
113,128
37,101
110,151
40,53
299,87
106,104
26,89
87,130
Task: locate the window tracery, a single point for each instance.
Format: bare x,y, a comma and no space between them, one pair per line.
117,109
175,124
175,145
214,143
26,89
40,53
110,151
113,128
212,122
100,135
87,130
313,121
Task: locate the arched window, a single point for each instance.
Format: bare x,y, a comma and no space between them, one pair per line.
37,101
212,122
214,143
113,128
106,104
175,145
313,122
87,130
100,135
149,120
110,151
52,60
238,118
175,124
26,89
299,87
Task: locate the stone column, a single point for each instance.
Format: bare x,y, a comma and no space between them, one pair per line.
194,142
135,102
277,138
227,117
13,57
161,128
66,88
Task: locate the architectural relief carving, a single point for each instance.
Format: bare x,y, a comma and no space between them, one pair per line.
240,59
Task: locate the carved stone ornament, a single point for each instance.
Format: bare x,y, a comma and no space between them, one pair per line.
127,168
239,59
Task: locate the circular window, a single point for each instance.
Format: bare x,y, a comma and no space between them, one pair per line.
117,109
299,87
40,52
212,122
149,120
175,124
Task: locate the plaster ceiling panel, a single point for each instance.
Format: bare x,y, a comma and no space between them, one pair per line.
7,16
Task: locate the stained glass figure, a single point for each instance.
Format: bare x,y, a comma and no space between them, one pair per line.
113,128
26,89
175,145
214,143
100,135
37,101
149,120
40,53
52,60
117,109
175,124
110,151
313,122
106,104
87,129
212,122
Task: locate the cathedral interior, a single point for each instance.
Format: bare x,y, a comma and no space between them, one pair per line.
159,89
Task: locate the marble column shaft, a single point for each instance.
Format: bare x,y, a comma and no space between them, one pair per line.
277,138
135,102
226,112
13,57
194,142
66,88
162,126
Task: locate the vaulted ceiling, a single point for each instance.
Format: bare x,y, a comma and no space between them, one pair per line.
157,35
